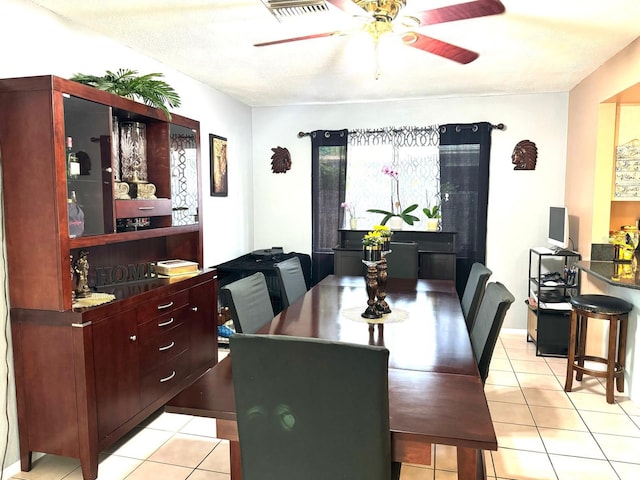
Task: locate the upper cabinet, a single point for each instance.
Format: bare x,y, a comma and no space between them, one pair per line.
84,169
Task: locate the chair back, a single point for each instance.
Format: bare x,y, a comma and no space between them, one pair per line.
473,292
484,335
292,282
402,262
311,409
249,302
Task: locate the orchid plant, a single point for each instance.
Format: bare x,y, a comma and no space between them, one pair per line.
396,207
349,208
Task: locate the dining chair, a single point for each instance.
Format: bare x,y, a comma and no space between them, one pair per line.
473,292
484,334
402,262
249,303
292,281
311,408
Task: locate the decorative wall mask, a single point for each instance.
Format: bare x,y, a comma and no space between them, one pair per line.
280,160
525,155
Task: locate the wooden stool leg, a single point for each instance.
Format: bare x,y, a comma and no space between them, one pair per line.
582,344
611,356
572,350
622,351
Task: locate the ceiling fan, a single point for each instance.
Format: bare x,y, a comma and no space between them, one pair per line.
384,17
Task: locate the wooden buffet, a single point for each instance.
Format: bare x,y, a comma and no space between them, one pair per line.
86,375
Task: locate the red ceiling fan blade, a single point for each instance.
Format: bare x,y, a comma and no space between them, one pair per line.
297,39
438,47
460,11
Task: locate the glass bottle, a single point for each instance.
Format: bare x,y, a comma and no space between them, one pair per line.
73,165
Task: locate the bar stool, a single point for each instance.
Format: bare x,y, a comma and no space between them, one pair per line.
603,307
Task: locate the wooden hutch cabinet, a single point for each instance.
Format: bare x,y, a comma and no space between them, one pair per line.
85,376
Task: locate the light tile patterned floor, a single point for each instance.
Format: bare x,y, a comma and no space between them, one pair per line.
543,433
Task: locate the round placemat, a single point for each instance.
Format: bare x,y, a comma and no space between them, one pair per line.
355,314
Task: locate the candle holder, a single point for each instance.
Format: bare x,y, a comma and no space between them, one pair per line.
381,293
371,281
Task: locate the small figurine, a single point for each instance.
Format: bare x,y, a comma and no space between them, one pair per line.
82,272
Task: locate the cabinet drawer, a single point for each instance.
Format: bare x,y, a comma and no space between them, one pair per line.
161,324
163,378
160,349
162,306
143,208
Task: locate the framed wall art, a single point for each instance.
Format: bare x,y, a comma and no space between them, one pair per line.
218,161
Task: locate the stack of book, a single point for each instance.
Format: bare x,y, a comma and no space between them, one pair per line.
172,268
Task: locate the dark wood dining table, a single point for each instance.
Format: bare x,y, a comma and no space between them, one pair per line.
436,395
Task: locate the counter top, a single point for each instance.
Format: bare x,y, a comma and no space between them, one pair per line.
620,274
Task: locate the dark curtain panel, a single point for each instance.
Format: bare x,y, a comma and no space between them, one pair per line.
329,171
464,174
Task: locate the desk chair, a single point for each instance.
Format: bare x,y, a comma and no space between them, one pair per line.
473,292
484,334
249,303
402,262
292,282
311,409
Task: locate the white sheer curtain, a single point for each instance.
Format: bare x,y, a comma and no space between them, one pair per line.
410,151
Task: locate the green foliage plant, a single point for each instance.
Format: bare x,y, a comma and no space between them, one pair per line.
127,83
406,214
432,212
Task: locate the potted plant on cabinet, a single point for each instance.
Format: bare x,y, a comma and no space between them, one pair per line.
433,217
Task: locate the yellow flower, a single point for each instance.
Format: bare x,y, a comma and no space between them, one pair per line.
383,230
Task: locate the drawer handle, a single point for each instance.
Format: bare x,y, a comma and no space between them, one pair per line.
166,305
146,208
166,347
195,309
133,338
166,379
168,322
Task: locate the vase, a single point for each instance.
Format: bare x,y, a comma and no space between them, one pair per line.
432,224
133,151
353,223
395,223
372,253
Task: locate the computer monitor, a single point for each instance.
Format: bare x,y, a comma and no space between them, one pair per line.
558,227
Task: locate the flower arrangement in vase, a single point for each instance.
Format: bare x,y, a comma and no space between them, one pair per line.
351,210
385,232
396,214
372,246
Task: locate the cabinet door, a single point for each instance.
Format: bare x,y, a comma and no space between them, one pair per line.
89,186
115,353
184,175
203,303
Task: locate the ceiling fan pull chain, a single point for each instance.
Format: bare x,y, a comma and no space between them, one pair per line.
376,52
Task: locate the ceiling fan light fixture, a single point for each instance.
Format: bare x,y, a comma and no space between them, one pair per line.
283,9
387,9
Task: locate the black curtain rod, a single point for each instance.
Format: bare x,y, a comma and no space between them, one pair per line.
499,126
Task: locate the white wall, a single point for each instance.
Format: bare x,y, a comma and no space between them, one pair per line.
35,42
518,200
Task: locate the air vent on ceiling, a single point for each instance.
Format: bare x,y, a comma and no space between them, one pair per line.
282,9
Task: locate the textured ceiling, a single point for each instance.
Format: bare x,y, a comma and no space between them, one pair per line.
536,46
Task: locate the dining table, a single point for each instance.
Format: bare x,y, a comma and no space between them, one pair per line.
436,395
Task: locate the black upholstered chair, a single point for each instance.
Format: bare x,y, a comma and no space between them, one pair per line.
292,282
473,292
311,409
249,303
402,262
484,334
